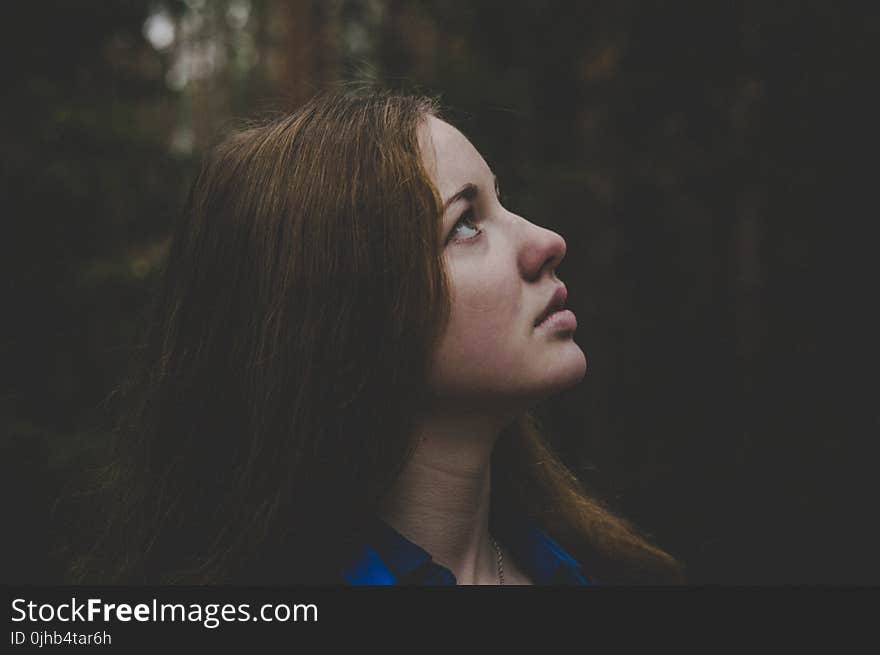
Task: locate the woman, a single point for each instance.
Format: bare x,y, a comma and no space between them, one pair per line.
336,389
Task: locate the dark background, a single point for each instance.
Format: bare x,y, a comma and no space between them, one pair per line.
711,166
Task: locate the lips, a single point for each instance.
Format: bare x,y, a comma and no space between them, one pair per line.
557,302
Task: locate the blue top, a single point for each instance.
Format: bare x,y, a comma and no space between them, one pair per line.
389,558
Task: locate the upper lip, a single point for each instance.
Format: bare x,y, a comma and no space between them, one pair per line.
557,302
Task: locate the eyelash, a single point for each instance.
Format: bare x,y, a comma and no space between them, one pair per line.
466,217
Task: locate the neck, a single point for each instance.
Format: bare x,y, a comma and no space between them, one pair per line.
441,499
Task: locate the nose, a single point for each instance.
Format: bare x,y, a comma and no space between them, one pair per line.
541,249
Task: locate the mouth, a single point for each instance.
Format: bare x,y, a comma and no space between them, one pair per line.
556,303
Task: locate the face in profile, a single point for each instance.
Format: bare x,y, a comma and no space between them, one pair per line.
502,274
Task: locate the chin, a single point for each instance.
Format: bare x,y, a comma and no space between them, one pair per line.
564,372
574,371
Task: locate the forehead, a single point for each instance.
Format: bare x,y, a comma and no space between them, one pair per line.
451,159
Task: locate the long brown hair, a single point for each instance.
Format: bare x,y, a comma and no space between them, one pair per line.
272,407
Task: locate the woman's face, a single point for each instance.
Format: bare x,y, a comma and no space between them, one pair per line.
502,272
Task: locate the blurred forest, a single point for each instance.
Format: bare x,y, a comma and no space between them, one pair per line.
711,166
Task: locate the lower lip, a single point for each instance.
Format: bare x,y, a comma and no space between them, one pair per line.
561,320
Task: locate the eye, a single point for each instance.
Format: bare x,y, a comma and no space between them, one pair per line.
466,220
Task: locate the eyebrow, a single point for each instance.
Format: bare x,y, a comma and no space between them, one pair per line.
468,192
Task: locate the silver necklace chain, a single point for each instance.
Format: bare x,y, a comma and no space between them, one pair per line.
500,560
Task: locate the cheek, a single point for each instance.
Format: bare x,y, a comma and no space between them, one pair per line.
485,304
485,334
483,312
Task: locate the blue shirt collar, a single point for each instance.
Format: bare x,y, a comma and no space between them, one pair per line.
388,558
